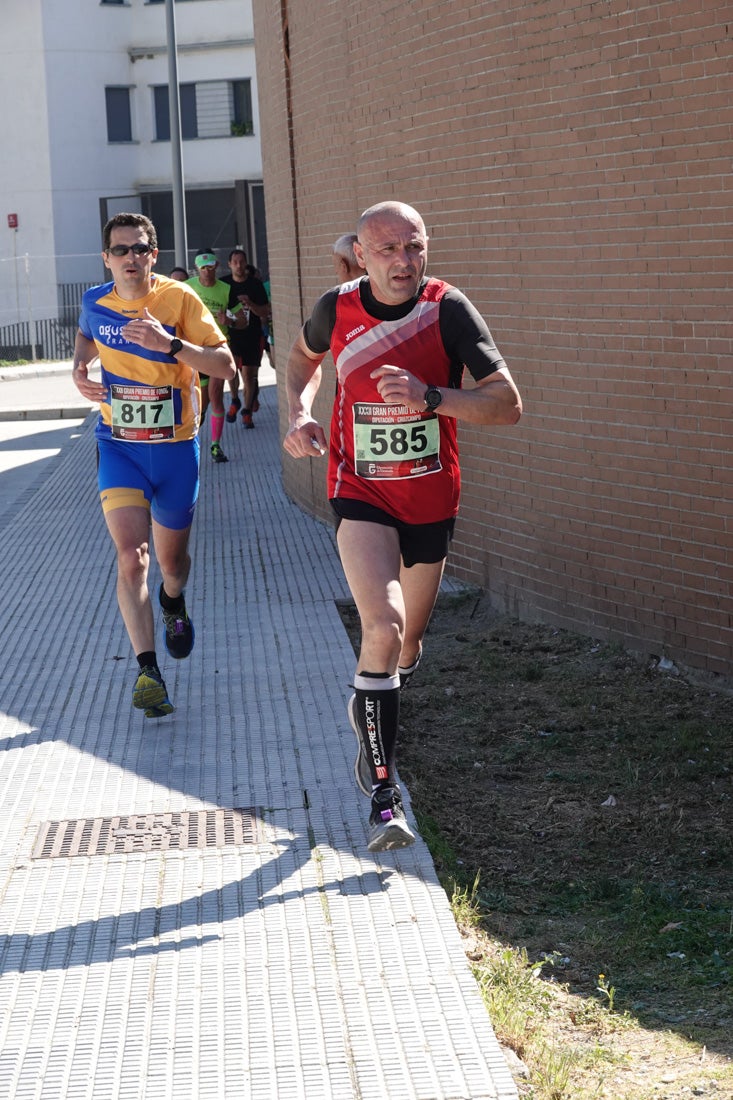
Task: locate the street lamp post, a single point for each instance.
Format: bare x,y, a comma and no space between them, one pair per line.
174,108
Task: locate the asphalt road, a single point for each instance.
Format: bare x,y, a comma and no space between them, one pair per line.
39,415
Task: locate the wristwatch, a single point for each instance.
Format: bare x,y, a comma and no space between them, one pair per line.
175,347
433,397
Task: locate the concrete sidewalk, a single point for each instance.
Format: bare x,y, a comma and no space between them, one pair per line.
187,905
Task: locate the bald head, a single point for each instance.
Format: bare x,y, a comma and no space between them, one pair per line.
389,209
393,247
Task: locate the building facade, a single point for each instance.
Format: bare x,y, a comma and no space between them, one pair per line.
572,164
89,135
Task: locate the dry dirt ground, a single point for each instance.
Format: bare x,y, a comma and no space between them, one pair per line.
592,792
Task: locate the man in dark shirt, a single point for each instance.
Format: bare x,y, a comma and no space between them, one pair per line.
245,342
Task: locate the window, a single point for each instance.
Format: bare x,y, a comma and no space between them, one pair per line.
119,116
211,108
187,96
242,121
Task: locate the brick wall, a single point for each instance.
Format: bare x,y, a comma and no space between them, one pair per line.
572,162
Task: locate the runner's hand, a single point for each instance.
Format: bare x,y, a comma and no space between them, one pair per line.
87,387
148,332
305,439
398,387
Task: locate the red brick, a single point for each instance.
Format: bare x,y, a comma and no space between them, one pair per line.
573,165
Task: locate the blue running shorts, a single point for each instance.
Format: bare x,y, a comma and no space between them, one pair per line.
163,477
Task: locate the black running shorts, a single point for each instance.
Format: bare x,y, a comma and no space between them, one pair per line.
420,543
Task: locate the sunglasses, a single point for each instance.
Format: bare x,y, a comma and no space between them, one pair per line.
122,249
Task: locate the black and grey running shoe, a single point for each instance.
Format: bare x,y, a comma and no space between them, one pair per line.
178,632
388,827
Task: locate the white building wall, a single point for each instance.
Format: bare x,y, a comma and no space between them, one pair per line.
25,172
206,161
56,163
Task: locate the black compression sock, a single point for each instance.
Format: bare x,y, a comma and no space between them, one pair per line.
171,603
378,712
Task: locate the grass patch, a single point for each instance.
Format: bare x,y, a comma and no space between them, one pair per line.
578,805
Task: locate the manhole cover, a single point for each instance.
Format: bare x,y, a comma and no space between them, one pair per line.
148,833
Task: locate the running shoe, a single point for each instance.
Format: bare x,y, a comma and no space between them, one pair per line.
388,827
233,410
178,632
256,405
217,454
150,694
362,773
247,420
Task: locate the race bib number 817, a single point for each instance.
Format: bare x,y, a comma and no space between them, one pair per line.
142,414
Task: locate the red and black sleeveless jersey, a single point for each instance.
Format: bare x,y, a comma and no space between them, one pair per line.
399,460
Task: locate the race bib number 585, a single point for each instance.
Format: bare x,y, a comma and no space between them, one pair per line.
392,441
142,414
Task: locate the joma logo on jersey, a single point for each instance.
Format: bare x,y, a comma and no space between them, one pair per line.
355,332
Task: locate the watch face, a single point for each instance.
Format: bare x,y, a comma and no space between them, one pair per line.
433,397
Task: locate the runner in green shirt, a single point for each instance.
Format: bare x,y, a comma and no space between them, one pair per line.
215,296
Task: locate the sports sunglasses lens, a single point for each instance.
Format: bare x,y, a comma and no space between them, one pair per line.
123,249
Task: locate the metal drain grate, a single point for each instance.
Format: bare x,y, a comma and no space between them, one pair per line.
148,833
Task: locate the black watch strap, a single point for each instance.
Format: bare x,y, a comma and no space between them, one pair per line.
175,347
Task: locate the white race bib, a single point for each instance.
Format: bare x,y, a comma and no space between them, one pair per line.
142,414
392,441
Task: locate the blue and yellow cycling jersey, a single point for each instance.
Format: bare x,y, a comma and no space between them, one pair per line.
154,397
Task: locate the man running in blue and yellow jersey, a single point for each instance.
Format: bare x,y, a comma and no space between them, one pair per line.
152,335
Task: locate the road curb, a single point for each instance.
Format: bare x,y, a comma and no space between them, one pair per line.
73,412
34,370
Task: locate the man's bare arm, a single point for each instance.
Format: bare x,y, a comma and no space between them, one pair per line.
85,352
493,400
305,437
148,332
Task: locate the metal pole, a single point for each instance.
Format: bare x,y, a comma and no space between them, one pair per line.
174,109
15,269
31,322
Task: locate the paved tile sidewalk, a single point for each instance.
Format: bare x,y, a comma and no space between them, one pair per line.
209,923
